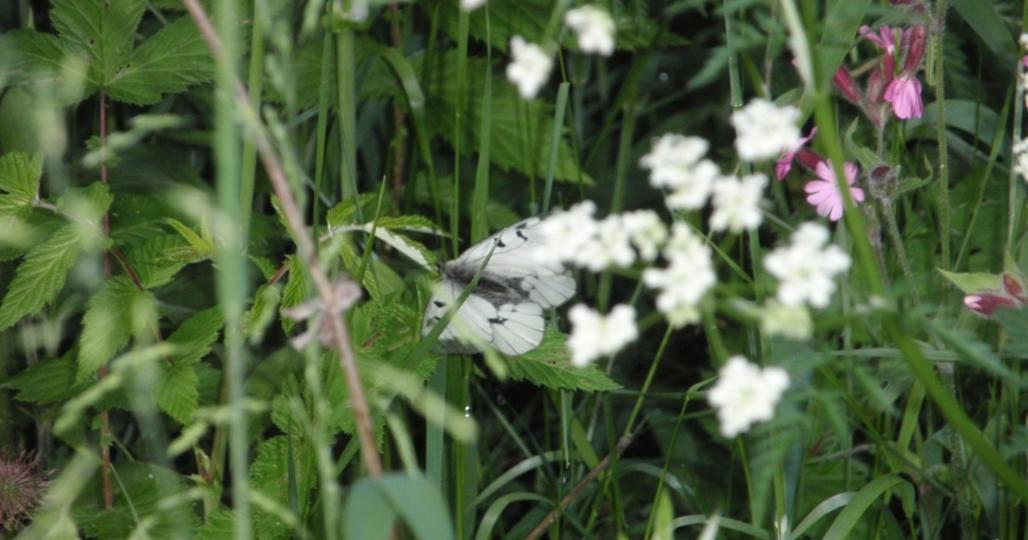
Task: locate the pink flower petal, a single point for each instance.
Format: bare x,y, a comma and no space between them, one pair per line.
858,194
836,213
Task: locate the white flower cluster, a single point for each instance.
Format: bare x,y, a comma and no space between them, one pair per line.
471,5
688,276
791,322
529,68
594,335
577,239
764,130
594,29
746,393
1020,151
737,203
806,267
676,163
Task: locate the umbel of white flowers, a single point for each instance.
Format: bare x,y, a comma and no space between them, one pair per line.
745,393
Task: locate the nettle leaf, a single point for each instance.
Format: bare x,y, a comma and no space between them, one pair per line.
40,276
48,381
103,33
269,475
157,260
19,181
194,337
345,213
295,291
101,29
521,130
549,365
109,322
262,312
178,387
167,63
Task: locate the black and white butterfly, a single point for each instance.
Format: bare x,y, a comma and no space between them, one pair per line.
506,309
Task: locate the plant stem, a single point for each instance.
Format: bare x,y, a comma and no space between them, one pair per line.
940,134
399,115
105,418
304,244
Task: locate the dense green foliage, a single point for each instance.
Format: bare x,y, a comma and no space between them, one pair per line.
154,294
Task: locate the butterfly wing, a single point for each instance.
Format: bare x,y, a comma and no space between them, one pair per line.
512,328
547,284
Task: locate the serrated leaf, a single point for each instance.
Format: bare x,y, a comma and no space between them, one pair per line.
262,312
345,212
157,260
194,337
166,63
47,381
102,29
269,475
295,291
521,130
88,203
108,323
177,392
374,504
19,181
40,276
549,365
201,246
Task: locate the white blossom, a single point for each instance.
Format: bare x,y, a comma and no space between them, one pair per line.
594,29
688,276
737,202
695,188
792,322
1023,40
1020,151
676,163
471,5
566,233
530,67
611,246
646,232
806,267
764,130
745,393
594,335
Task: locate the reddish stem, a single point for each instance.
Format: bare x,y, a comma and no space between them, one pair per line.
105,419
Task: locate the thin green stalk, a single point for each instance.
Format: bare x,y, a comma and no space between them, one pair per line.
921,368
346,73
896,240
940,134
480,195
462,76
321,130
558,124
231,267
255,84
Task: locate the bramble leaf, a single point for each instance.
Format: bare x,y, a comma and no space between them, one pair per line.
108,323
40,276
549,365
19,181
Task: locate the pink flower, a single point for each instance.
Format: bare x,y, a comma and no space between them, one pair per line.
885,41
824,192
784,164
904,92
987,303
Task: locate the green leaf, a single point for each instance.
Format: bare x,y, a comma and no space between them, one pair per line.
88,203
219,525
143,493
102,29
167,63
40,276
194,337
1015,322
108,323
47,381
295,291
269,475
861,501
971,283
157,260
549,365
374,503
521,130
987,23
177,391
19,181
262,312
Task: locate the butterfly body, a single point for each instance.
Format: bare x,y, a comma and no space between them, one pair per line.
506,309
